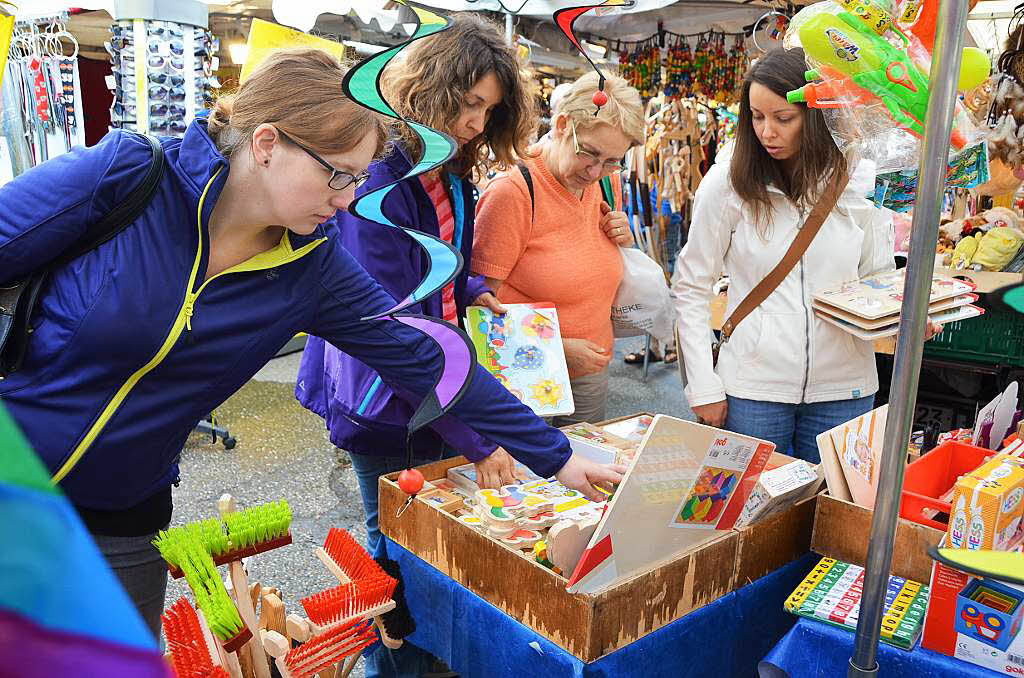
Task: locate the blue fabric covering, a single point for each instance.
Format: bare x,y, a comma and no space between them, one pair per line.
813,649
726,638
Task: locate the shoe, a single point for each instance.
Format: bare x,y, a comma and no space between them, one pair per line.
637,358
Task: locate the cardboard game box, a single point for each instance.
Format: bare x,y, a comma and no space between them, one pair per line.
975,619
988,505
780,487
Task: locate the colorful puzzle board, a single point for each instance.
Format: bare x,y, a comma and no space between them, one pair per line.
523,350
858,444
832,591
880,295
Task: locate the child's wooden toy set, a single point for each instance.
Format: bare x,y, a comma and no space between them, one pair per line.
661,546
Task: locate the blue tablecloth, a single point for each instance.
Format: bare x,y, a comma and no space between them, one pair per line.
812,649
726,638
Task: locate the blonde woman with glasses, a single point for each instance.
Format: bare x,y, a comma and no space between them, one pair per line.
556,238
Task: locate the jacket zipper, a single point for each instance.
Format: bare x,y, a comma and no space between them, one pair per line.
183,321
807,332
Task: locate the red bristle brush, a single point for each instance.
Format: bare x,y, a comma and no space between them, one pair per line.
350,562
327,648
191,653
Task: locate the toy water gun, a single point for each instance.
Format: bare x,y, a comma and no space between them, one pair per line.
851,44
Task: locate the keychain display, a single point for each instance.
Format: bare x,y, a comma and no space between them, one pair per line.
708,69
163,75
679,69
641,66
41,95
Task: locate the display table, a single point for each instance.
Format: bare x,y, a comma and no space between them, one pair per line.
813,649
727,637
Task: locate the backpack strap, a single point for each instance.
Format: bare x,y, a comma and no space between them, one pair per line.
529,186
124,213
18,301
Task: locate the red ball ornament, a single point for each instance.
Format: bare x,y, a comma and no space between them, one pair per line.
600,98
410,481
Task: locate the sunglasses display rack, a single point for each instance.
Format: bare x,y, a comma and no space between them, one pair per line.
162,75
40,115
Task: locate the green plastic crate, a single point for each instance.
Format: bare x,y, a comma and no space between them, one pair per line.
995,337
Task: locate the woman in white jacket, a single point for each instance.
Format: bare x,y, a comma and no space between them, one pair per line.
784,375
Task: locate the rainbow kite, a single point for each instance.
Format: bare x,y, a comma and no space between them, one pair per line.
62,612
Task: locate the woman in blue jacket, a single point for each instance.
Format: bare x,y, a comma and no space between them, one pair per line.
466,81
139,338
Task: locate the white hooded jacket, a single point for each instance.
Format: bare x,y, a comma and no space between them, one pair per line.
781,352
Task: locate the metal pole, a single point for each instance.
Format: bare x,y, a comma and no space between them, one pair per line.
509,28
946,58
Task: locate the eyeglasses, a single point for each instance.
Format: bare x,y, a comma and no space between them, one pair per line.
339,180
589,158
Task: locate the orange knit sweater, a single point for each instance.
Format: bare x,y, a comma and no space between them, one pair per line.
559,254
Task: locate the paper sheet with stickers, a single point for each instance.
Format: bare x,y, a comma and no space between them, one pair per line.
686,486
881,295
523,350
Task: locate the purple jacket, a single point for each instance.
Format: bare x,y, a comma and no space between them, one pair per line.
361,411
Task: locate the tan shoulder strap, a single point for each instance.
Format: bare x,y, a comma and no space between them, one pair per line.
801,242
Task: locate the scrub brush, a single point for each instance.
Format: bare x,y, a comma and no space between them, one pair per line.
194,654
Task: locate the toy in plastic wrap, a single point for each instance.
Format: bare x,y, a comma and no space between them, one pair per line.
869,74
896,190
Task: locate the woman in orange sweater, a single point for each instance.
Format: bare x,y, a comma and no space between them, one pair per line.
561,244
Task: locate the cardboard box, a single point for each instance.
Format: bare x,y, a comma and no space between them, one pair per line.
988,505
842,530
780,486
590,626
975,620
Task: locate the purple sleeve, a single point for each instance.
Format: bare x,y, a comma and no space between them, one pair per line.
475,286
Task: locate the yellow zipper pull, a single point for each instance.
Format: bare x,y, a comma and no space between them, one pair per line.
189,303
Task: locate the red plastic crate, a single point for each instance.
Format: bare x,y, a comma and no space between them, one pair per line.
932,475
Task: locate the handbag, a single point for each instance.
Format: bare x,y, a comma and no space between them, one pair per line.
826,203
18,299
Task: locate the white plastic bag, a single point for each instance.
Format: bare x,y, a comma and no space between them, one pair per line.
642,303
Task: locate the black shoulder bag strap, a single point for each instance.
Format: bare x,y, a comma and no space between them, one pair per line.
529,186
18,300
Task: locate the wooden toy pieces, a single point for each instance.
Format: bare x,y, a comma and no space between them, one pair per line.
508,509
522,539
567,540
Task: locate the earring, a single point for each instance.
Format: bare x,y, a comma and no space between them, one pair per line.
267,161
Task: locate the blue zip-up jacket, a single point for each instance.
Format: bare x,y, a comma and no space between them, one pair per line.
131,348
362,413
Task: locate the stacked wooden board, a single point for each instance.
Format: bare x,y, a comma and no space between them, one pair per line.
869,308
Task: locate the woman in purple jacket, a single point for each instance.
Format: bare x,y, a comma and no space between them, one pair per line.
466,81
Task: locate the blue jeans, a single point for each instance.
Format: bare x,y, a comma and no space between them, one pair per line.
142,572
408,661
792,427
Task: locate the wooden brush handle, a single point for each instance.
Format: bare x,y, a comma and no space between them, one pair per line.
240,590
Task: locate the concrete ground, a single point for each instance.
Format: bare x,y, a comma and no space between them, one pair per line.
283,452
